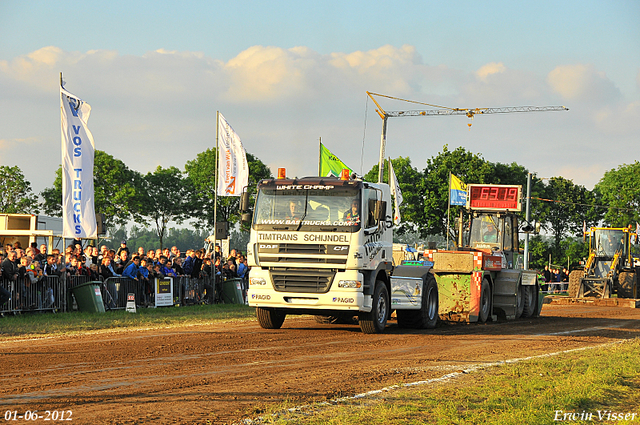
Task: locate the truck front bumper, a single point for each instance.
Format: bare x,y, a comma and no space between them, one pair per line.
338,299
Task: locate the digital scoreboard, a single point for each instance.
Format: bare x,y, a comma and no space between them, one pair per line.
494,197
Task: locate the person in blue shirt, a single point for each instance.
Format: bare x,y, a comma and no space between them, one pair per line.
131,271
164,269
145,281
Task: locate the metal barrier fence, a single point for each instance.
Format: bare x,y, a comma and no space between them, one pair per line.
48,294
55,294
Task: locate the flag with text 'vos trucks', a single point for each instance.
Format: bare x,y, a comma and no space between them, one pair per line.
233,170
457,191
331,165
395,191
78,211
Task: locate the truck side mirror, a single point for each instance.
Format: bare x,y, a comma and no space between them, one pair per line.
244,202
246,217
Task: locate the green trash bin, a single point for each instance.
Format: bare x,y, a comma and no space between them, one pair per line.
232,291
88,297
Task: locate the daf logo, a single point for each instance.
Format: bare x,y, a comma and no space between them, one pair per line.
262,246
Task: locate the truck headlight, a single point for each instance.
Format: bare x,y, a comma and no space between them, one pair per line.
349,284
257,281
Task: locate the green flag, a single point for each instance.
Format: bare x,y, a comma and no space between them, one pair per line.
330,165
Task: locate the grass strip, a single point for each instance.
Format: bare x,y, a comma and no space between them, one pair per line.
49,324
599,385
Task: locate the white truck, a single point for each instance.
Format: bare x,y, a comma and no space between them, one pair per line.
324,246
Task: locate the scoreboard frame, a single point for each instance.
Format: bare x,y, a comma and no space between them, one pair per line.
494,197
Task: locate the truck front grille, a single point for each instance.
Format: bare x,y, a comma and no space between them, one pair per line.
283,254
316,281
293,248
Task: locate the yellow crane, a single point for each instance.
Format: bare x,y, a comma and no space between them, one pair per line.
443,110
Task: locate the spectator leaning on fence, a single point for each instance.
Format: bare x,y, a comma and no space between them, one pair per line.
50,268
166,271
177,266
131,271
106,269
197,264
187,266
10,267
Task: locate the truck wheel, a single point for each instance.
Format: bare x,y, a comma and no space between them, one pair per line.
375,321
485,301
427,316
530,300
627,285
520,301
575,281
270,318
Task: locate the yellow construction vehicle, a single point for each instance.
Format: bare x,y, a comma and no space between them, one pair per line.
610,267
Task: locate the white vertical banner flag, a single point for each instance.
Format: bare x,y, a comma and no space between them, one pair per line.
78,213
395,191
233,171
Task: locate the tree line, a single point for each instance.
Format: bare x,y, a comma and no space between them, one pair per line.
173,195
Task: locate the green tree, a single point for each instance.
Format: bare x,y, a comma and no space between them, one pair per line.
166,196
575,249
17,197
569,206
201,171
620,190
115,191
469,167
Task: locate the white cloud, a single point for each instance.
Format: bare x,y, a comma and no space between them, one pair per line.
490,69
583,83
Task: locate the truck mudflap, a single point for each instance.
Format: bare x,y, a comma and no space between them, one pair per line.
459,296
506,295
332,300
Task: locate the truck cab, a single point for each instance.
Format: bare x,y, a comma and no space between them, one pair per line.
320,245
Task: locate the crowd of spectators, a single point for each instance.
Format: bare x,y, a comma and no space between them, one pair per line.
26,267
554,278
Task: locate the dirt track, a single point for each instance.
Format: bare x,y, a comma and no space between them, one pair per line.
222,373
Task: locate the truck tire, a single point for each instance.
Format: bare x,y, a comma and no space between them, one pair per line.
520,301
427,316
575,280
627,285
270,318
530,300
485,301
375,321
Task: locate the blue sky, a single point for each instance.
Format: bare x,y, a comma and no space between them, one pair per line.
287,73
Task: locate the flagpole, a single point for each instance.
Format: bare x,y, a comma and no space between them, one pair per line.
448,209
320,156
215,198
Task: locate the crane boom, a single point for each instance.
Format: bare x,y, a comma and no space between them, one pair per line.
443,110
471,112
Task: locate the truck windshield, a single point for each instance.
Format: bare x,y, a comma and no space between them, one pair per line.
325,209
486,232
605,243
